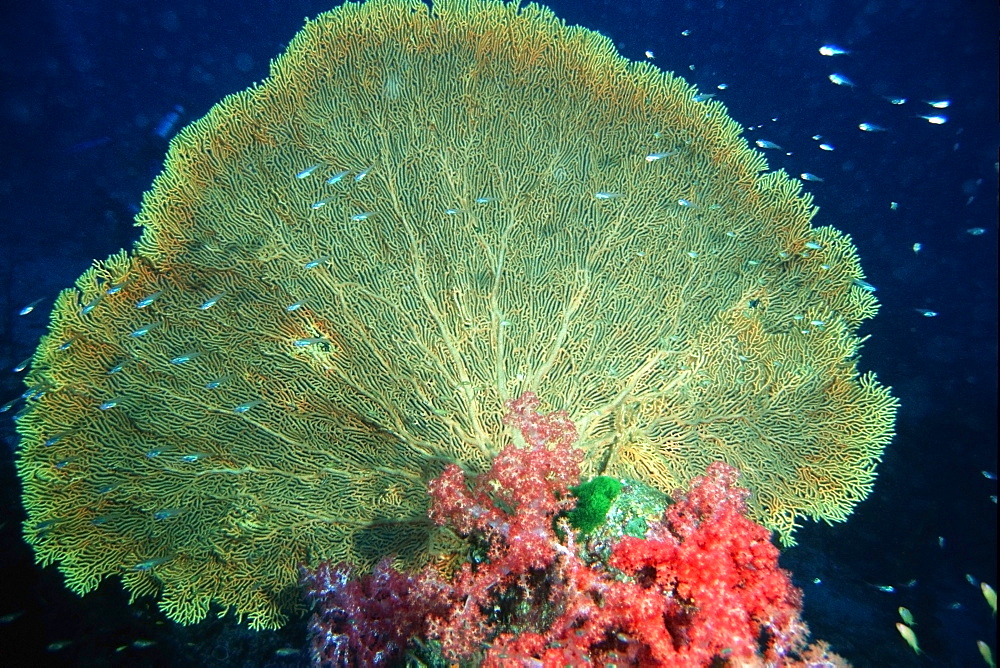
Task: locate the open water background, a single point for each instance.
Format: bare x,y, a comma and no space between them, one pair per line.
84,85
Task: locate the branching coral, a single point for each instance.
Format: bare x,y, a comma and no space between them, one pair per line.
346,270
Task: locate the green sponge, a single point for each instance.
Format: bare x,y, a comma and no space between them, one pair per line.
594,498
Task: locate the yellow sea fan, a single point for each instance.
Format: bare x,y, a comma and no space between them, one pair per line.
422,213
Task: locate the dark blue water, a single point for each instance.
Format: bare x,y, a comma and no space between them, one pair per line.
86,86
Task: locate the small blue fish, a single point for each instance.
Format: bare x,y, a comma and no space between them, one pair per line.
832,50
362,174
935,119
895,100
52,440
484,200
653,157
30,307
47,524
145,329
111,403
212,301
33,392
308,170
312,264
244,407
214,384
116,368
827,147
939,104
976,231
22,366
812,245
302,343
602,194
358,217
703,97
336,178
763,143
185,357
165,127
806,176
841,80
146,301
864,285
10,617
297,305
320,204
167,513
194,456
91,305
927,313
870,127
686,203
150,564
118,287
989,475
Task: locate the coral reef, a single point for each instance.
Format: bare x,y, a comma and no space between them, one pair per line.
346,270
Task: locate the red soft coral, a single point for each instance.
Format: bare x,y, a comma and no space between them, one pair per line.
704,586
709,556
